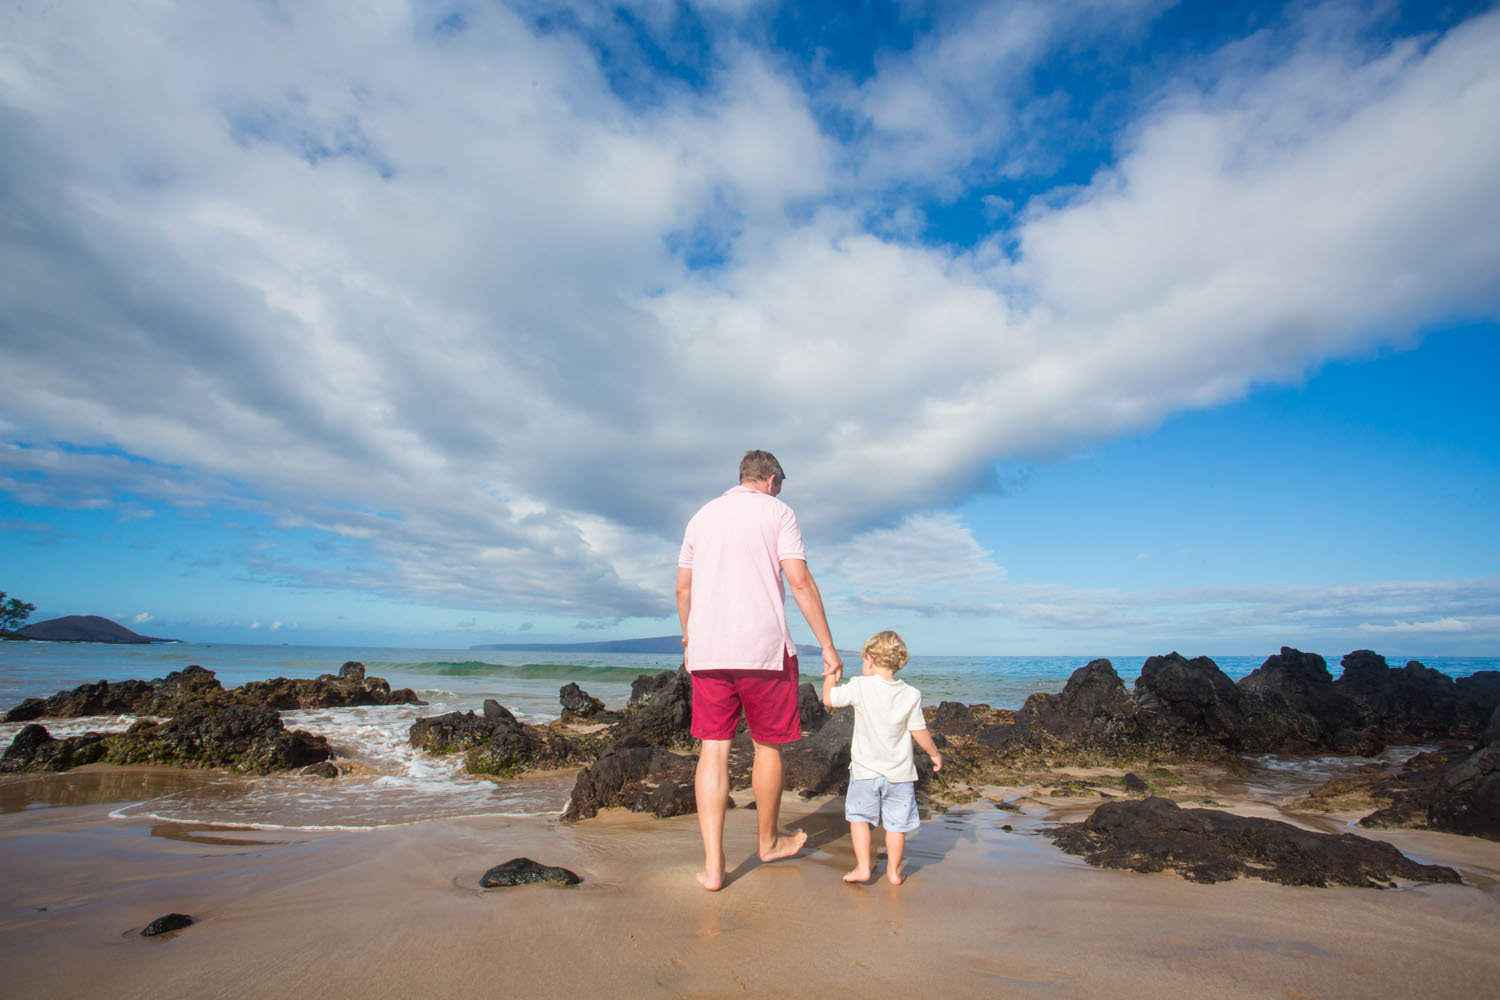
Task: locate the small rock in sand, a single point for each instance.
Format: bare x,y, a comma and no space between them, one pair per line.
522,871
170,922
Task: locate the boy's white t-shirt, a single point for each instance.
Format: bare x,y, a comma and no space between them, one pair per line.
884,713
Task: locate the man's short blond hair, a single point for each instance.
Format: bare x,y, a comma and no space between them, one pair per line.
886,649
757,465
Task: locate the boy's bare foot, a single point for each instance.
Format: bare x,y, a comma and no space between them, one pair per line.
712,878
784,846
858,875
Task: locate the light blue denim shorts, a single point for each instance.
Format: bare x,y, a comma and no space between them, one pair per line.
891,804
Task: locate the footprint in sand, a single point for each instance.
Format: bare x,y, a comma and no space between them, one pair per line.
672,973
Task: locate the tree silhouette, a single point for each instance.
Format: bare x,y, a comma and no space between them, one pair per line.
13,613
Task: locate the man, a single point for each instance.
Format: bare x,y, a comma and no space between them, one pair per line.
739,651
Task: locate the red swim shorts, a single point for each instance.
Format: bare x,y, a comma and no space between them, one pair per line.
768,698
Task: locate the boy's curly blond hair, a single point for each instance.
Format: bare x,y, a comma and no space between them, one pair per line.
886,649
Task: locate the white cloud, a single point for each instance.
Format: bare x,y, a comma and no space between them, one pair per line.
427,292
1442,626
927,564
1247,619
143,618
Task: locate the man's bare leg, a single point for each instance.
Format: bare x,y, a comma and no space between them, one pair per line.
765,779
895,847
711,788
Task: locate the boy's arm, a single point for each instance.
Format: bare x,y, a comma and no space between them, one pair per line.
828,681
924,740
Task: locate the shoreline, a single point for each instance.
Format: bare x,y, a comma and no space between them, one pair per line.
398,910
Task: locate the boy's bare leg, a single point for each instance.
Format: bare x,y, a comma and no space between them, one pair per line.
765,779
895,846
860,834
711,788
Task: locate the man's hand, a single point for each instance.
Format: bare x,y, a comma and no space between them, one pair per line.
833,665
937,762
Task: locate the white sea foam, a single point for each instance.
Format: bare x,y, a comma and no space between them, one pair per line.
387,781
63,728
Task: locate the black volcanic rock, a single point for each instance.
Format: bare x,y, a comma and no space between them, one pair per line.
1193,698
638,777
348,688
811,711
84,628
578,703
660,711
167,695
35,749
1209,845
1093,710
1478,696
524,871
457,732
954,718
1466,799
244,738
820,763
1007,737
130,697
1413,703
167,923
1291,706
496,743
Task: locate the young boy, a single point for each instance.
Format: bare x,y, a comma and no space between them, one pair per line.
882,774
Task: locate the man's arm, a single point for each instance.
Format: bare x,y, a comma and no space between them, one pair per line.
810,601
924,740
684,598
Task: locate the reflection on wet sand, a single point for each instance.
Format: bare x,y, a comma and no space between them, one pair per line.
99,784
197,833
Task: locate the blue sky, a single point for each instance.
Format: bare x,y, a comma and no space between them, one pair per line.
1105,328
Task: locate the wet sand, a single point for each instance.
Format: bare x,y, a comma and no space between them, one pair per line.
397,913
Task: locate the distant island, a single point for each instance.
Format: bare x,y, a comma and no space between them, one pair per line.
669,644
83,628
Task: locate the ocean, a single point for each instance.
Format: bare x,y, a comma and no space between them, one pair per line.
389,782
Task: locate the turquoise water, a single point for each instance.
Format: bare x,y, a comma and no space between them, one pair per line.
528,681
387,781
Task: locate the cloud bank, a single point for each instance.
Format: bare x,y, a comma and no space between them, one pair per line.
442,282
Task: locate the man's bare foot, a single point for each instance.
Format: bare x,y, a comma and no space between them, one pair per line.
895,877
712,878
858,875
785,846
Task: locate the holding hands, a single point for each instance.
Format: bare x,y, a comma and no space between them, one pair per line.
833,664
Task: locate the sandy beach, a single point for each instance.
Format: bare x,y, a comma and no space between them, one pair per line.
398,912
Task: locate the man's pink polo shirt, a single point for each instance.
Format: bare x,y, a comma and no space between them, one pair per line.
734,546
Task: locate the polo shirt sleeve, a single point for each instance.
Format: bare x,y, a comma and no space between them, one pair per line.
685,555
789,536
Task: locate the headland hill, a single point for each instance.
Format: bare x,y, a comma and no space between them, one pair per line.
81,628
